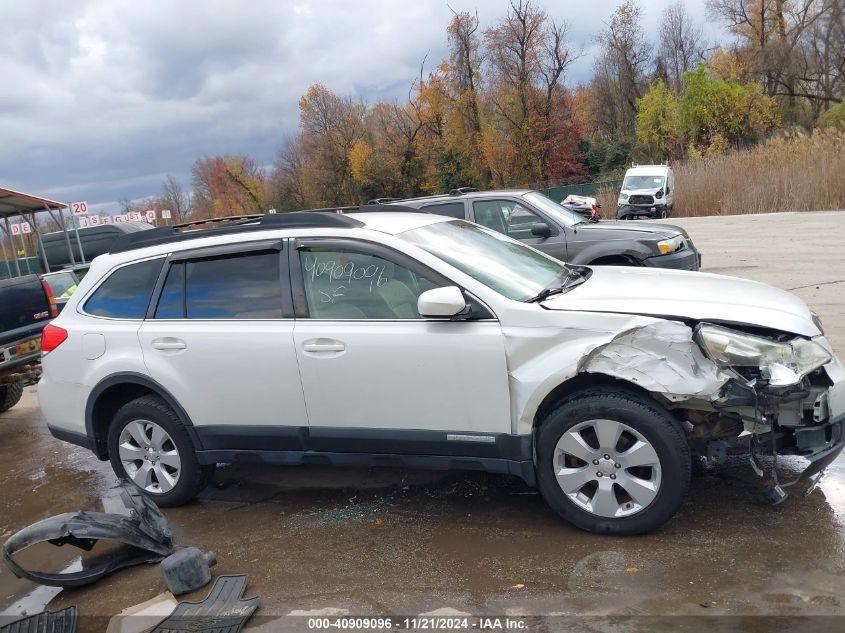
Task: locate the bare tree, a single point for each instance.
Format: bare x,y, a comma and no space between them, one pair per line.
681,43
176,199
622,66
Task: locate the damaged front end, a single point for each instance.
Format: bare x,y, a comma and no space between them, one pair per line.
760,392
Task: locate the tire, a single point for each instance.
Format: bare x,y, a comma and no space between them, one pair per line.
10,395
150,447
601,503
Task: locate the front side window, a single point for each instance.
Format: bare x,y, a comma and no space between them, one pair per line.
509,267
343,283
239,286
126,293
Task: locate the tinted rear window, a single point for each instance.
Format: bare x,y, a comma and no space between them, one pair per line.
450,209
242,286
126,293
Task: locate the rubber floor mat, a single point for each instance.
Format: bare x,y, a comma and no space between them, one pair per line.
63,621
223,611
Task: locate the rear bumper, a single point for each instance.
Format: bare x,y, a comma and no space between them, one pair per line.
686,259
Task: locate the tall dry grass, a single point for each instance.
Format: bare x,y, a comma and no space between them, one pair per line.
797,173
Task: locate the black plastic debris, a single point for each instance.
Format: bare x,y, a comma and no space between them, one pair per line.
187,570
63,621
223,611
141,527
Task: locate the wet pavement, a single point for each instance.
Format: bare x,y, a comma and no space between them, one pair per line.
389,542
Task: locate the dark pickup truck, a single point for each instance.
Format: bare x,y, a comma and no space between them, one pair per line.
26,306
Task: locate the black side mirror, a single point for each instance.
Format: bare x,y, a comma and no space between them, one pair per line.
541,229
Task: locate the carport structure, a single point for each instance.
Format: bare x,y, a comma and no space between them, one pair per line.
16,204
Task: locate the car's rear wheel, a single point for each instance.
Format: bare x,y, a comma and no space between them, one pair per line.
612,462
10,395
150,447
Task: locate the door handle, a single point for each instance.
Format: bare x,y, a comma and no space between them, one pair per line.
169,343
323,345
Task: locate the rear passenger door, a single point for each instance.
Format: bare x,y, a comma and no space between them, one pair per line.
220,338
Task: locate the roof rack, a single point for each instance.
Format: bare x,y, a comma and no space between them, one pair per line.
322,218
383,200
462,190
381,208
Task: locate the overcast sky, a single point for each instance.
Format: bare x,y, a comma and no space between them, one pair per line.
101,99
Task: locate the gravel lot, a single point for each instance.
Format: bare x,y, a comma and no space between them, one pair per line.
385,542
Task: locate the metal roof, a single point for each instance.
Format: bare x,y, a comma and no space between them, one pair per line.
15,203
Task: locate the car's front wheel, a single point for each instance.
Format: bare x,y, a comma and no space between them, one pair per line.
149,446
612,462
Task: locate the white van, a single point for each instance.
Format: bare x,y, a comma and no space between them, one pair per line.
647,191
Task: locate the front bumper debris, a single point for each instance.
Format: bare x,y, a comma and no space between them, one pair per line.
141,527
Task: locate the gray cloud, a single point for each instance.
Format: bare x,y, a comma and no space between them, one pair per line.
103,98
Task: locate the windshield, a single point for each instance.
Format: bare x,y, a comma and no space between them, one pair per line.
61,283
505,265
559,213
643,182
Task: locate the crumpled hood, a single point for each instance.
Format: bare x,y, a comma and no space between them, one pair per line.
688,295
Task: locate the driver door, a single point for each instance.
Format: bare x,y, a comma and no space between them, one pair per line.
377,377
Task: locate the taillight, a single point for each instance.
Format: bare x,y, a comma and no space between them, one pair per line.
54,311
51,337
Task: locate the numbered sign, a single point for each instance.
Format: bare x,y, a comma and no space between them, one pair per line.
165,214
25,228
271,210
106,219
135,215
79,208
84,223
16,229
95,220
151,216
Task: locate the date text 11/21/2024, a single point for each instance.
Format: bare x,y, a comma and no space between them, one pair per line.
420,623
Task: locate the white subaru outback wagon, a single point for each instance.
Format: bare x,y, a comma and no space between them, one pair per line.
401,338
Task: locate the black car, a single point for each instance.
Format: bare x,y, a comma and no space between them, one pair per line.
535,219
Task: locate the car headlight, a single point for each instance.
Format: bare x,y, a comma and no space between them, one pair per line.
730,348
659,194
623,196
671,245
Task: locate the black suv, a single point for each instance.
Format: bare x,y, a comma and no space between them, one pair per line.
539,221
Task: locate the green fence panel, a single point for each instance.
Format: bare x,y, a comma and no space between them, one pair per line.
29,265
583,189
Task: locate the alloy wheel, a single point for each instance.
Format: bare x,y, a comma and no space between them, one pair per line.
607,468
149,456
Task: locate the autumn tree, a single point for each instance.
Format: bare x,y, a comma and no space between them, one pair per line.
658,126
528,55
722,113
227,186
462,82
794,49
330,126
